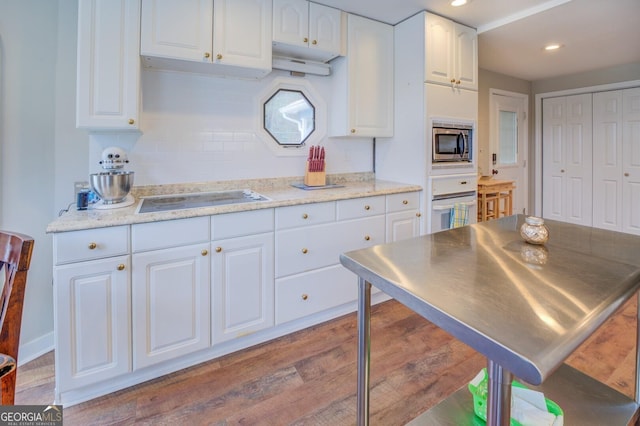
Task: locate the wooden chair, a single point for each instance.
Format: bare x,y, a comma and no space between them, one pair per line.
15,257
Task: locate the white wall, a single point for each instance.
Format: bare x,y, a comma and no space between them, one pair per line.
194,128
28,42
197,128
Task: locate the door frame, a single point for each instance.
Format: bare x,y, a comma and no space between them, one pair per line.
523,130
537,179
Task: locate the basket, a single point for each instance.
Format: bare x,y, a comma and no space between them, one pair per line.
479,393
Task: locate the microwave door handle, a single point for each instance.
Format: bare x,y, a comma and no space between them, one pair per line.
460,144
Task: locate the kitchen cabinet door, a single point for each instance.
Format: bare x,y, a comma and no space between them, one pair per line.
306,30
567,159
451,53
177,29
242,297
242,33
402,226
92,322
170,303
233,35
108,80
362,98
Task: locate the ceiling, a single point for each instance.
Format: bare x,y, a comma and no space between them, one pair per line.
511,33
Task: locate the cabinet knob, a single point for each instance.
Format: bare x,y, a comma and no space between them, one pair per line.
562,171
453,80
353,130
218,249
405,202
305,40
367,238
121,267
305,296
367,207
207,54
204,252
418,214
305,216
304,251
131,121
626,175
457,81
314,42
92,246
218,56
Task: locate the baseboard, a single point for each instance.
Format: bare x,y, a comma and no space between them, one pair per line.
31,350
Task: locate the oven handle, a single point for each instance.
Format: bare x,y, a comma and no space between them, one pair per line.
449,207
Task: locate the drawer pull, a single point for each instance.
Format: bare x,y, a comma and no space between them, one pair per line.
367,238
305,296
218,249
204,252
418,214
367,207
405,202
304,251
305,216
121,267
92,246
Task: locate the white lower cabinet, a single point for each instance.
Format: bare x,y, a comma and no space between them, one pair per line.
170,291
403,216
305,294
138,301
170,303
92,322
242,283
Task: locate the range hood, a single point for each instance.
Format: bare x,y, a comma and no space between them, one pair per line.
301,66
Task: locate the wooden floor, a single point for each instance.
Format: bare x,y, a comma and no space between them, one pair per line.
309,377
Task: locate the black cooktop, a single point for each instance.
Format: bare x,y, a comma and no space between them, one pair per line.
161,203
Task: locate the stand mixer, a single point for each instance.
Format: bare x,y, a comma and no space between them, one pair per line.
113,185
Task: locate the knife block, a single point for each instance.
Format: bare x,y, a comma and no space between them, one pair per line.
314,178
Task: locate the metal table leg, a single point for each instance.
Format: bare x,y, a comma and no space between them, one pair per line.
498,395
364,343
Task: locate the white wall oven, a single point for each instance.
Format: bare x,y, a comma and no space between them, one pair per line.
446,192
452,142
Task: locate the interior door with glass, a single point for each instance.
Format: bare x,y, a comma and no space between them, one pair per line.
508,135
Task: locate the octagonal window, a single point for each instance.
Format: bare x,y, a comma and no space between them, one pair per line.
289,117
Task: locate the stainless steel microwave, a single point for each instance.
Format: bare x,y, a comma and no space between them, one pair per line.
452,142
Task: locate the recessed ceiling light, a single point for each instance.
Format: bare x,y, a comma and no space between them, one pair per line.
552,46
458,2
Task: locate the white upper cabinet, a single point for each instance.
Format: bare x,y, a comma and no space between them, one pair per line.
362,98
306,30
451,53
194,35
108,64
180,30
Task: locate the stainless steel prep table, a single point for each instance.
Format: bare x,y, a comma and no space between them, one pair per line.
525,307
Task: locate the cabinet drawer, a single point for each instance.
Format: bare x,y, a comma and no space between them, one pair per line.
305,294
360,207
403,201
91,244
242,223
304,249
304,215
169,233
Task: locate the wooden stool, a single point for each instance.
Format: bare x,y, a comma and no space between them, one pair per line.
495,199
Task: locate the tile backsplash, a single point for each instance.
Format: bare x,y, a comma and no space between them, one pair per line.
196,128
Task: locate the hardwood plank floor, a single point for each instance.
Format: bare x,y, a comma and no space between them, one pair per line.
309,377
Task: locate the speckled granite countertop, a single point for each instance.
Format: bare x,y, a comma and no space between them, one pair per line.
279,191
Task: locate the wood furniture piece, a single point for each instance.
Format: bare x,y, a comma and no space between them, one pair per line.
495,199
15,258
525,307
